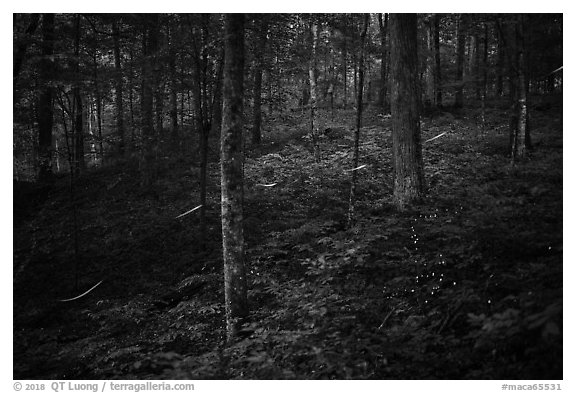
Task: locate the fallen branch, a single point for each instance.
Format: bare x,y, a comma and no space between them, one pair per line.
189,211
436,137
84,294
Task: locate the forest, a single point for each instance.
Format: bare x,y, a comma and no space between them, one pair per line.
287,196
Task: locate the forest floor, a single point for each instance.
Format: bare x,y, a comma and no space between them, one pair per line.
466,285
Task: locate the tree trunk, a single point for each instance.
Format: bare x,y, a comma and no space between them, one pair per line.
182,97
345,68
150,42
131,100
331,86
80,164
235,288
313,92
216,112
383,24
306,92
429,93
461,45
520,134
45,115
477,77
173,92
484,74
407,147
159,107
262,38
118,90
437,67
99,126
203,145
202,122
356,153
500,66
355,71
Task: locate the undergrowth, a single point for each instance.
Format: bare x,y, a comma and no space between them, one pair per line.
467,284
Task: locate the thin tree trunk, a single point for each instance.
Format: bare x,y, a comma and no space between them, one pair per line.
98,101
71,166
437,68
150,38
407,146
500,66
99,125
331,86
203,142
383,24
460,49
118,90
159,107
80,164
345,68
429,76
521,136
131,100
484,74
216,110
202,124
263,34
235,288
93,138
356,154
173,92
45,116
279,89
313,93
477,76
355,68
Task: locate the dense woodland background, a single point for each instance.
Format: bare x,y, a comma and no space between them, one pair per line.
389,188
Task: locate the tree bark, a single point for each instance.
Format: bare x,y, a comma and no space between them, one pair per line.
235,287
407,146
45,115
